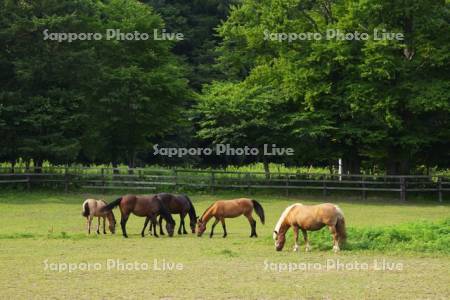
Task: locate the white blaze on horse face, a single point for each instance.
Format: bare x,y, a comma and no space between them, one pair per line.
281,219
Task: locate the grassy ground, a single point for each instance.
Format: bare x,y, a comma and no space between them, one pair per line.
39,229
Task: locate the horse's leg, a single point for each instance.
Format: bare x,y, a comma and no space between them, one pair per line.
155,221
224,227
182,216
98,225
145,225
252,225
88,224
335,238
150,227
104,226
295,228
305,238
212,228
123,223
181,223
161,231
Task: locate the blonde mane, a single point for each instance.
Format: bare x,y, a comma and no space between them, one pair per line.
283,216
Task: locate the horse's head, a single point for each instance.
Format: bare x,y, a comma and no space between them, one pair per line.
280,239
112,222
193,223
201,227
170,227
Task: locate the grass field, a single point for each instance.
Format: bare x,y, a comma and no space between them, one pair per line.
42,228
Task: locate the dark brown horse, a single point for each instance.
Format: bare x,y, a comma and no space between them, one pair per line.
142,206
178,204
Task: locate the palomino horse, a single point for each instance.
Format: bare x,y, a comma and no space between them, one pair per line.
178,204
310,218
230,209
142,206
92,208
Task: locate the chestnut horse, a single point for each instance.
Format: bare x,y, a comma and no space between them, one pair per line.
310,218
230,209
178,204
92,208
142,206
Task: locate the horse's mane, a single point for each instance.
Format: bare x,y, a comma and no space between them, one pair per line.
201,218
191,212
164,212
283,216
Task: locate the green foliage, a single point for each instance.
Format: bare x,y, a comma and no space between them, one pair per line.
381,101
423,236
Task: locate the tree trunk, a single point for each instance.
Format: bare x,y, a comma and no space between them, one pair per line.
13,164
38,166
131,163
351,164
115,165
397,163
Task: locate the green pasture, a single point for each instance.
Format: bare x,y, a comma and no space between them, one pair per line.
44,228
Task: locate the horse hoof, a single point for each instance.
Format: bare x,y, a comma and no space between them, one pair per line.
224,236
308,249
336,249
295,248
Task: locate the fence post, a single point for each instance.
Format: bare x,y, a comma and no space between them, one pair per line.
212,182
103,180
440,188
363,189
402,189
66,180
28,182
324,183
175,174
287,185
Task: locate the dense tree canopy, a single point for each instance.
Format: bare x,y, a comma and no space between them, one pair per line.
378,103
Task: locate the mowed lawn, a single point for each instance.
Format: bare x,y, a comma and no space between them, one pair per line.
39,229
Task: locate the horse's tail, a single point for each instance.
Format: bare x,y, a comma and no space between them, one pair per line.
86,212
340,227
259,210
191,212
165,213
111,205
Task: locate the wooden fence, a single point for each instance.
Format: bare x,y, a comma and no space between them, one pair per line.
146,179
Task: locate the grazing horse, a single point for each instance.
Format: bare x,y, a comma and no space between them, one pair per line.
178,204
92,208
230,209
142,206
310,218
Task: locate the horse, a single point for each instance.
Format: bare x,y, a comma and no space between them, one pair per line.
230,209
142,206
310,218
92,208
178,204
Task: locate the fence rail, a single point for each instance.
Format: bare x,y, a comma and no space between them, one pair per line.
147,179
